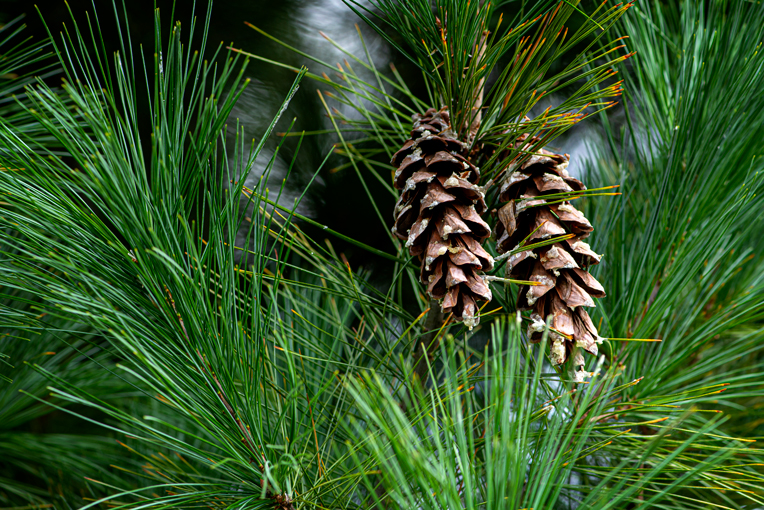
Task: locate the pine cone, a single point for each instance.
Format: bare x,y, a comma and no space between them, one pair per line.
438,215
564,286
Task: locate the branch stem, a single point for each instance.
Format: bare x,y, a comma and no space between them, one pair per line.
427,346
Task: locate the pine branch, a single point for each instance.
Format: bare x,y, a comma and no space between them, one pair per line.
432,326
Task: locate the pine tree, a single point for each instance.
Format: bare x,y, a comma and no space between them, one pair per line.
276,372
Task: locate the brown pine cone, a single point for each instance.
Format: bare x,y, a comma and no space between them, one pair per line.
564,286
438,215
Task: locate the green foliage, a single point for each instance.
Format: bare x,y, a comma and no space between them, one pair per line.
682,244
505,437
40,467
242,363
59,457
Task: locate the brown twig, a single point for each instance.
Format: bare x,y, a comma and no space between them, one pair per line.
283,500
246,439
427,346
